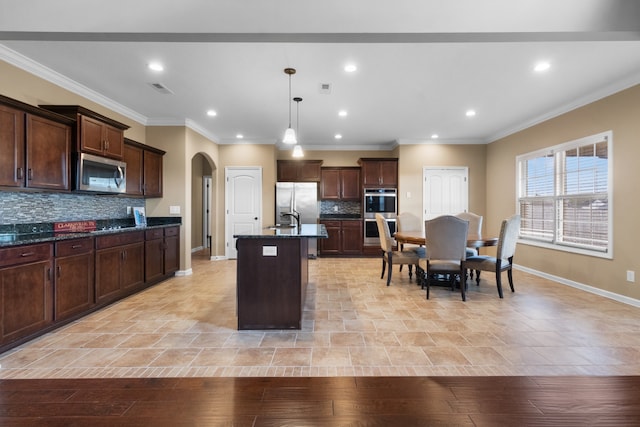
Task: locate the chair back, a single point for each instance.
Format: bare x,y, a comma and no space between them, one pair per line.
475,224
386,241
406,221
446,238
509,231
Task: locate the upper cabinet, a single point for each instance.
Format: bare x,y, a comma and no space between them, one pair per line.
299,170
95,133
340,183
35,147
144,169
379,172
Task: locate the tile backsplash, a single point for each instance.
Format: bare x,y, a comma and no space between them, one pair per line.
346,207
23,207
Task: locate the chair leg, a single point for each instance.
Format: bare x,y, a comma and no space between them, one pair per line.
384,264
427,279
463,285
389,273
510,276
477,277
499,282
410,271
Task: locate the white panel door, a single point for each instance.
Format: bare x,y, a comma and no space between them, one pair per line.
243,204
445,191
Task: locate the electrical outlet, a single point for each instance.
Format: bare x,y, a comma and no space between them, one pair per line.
631,276
335,209
129,210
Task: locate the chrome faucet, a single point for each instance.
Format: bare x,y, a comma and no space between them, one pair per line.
295,215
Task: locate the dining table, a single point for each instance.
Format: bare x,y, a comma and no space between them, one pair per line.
417,238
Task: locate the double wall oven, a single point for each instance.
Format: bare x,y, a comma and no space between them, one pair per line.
383,201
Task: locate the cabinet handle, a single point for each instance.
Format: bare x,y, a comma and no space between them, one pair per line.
29,174
122,256
20,173
106,145
49,274
59,270
76,246
26,254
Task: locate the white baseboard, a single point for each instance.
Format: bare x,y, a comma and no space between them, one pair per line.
218,258
198,249
611,295
187,272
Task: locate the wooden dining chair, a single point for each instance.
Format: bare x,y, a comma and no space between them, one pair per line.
389,256
503,261
446,244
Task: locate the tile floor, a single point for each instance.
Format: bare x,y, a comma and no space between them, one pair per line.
353,325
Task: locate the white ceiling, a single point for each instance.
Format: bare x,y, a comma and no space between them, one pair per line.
421,63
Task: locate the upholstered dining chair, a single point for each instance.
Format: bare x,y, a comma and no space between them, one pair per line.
406,221
503,261
389,256
475,229
446,244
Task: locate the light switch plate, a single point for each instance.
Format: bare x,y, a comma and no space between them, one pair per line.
174,209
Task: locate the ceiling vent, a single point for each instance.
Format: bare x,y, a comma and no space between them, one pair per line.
325,88
161,88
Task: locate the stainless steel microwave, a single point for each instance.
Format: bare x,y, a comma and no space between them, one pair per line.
99,174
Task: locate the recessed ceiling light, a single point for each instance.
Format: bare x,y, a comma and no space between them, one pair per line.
342,113
350,68
338,136
470,113
239,136
211,113
542,66
434,136
155,66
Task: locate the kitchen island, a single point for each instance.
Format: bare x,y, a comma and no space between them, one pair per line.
272,276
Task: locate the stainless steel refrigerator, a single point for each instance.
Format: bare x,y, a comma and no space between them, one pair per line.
301,197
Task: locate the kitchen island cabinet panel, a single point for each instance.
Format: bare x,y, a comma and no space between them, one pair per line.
25,291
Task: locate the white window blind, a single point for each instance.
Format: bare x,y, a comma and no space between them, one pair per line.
564,192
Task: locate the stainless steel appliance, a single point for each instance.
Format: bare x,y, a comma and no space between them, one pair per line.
380,200
383,201
300,198
95,173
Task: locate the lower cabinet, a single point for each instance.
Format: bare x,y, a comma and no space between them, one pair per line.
26,291
345,237
162,253
119,265
74,285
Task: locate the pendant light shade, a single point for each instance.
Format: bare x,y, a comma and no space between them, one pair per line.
297,150
290,134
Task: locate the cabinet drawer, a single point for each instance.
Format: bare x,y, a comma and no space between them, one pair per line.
74,247
25,254
171,231
112,240
154,234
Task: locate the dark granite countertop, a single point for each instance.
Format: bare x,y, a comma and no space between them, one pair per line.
24,234
312,231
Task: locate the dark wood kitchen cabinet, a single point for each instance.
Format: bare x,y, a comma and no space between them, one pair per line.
379,172
340,183
162,253
299,170
74,281
345,237
26,291
144,169
94,133
35,148
119,265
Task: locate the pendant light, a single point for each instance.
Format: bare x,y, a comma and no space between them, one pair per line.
289,134
297,150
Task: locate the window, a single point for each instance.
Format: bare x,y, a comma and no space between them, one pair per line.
564,194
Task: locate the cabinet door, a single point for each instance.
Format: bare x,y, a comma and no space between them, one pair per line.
309,171
389,173
25,300
287,171
153,259
331,245
152,174
91,135
11,147
113,142
352,239
74,290
135,179
370,172
350,183
108,274
330,184
133,266
48,154
171,250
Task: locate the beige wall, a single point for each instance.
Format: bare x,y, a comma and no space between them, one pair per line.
619,113
18,84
